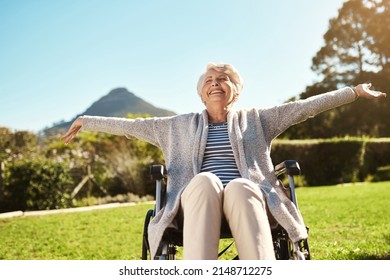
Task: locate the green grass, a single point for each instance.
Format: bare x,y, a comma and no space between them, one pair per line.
96,235
346,222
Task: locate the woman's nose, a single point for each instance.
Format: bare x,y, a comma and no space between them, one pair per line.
214,82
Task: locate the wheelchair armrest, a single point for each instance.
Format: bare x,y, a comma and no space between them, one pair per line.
291,167
158,171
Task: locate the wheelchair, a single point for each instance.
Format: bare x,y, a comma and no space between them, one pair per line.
284,248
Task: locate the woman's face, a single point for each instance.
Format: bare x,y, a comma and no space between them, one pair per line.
217,88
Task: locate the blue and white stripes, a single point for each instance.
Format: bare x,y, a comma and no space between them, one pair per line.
218,157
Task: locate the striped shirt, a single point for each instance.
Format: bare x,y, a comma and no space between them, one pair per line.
218,157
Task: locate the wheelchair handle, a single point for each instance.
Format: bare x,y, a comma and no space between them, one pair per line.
158,171
291,167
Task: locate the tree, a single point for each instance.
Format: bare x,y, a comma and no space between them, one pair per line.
14,144
355,51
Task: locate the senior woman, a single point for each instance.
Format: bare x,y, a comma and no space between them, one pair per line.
219,165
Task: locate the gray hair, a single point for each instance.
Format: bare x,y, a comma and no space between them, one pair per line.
229,70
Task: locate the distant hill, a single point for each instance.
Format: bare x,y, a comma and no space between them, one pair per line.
118,102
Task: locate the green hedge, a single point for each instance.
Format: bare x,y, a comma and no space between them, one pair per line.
334,161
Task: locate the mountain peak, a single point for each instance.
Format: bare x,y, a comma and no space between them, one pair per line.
119,102
120,91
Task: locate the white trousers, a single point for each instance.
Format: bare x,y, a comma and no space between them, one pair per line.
205,203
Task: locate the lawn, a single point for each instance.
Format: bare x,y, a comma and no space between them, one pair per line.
346,222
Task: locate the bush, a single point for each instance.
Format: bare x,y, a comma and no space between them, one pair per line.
377,154
36,184
333,161
383,173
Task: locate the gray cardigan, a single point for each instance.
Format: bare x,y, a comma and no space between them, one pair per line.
183,138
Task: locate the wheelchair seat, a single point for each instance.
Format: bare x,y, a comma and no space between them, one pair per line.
284,248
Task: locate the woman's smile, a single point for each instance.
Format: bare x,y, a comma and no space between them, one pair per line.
217,91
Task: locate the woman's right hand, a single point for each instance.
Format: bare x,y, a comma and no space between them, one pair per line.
363,90
73,130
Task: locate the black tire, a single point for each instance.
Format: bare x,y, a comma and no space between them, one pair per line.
145,242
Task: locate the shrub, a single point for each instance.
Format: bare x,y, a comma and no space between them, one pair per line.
333,161
383,174
36,184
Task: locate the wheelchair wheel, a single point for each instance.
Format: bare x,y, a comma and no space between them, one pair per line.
145,242
304,251
282,248
299,256
285,249
282,244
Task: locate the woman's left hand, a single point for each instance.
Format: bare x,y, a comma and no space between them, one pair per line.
363,90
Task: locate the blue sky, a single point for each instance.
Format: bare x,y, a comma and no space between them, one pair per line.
58,57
